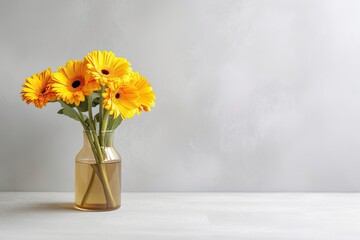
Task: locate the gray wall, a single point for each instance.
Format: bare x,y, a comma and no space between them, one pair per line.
251,95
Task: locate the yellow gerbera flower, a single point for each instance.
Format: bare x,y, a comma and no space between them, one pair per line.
37,89
106,68
146,95
121,100
72,83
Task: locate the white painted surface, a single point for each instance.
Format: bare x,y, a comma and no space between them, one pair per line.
270,216
251,95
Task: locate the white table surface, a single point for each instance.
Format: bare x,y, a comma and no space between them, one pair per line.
174,216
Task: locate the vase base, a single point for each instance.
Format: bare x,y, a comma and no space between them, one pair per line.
95,208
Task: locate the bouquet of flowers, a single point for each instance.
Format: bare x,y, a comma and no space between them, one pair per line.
99,91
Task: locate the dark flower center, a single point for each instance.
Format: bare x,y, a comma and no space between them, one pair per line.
117,95
105,72
43,91
76,84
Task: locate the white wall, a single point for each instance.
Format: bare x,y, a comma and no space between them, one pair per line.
251,95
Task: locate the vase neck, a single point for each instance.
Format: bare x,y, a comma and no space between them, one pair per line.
106,138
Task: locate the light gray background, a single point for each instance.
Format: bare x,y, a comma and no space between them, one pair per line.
251,95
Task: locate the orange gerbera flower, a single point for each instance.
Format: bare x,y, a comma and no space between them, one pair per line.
72,83
121,100
146,95
106,68
37,89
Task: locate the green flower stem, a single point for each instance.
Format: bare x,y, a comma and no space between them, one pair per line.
105,120
100,167
88,190
103,127
91,119
101,103
81,118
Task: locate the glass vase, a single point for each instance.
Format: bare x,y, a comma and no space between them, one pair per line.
98,173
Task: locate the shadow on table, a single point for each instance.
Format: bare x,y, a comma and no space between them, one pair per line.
66,206
45,207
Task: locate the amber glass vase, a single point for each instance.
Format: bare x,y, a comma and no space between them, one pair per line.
98,173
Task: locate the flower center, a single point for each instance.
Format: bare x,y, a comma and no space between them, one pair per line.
105,72
76,84
43,91
117,95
